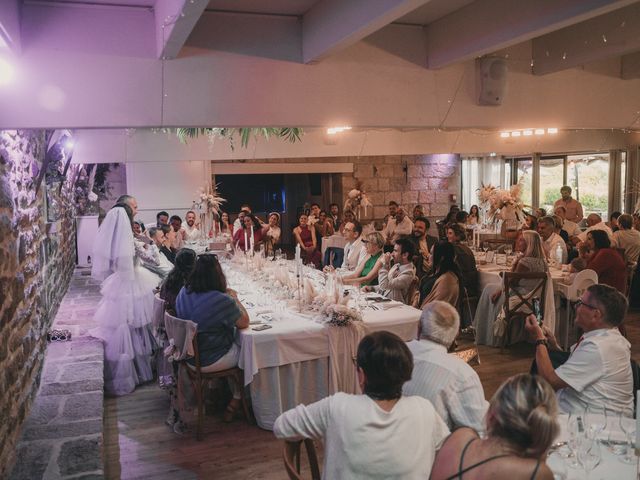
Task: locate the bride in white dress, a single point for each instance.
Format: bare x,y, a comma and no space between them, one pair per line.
124,313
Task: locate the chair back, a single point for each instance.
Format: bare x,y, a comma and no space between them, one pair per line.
182,333
523,301
635,373
291,456
413,293
581,282
157,316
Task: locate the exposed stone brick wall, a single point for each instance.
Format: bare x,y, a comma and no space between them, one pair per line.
36,263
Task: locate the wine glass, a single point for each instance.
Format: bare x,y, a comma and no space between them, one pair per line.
589,455
596,421
507,250
573,442
485,248
628,427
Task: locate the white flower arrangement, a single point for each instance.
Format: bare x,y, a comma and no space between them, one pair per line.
341,315
497,201
208,201
357,199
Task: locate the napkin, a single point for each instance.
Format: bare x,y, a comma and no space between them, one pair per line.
388,305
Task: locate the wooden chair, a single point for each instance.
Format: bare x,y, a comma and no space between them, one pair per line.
471,354
197,377
291,456
523,304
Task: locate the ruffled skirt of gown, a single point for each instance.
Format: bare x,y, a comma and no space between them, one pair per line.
124,317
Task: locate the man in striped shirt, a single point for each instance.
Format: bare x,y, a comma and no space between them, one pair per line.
452,386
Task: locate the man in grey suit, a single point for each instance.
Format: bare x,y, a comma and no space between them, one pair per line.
394,282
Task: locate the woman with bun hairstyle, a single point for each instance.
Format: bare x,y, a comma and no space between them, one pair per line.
521,425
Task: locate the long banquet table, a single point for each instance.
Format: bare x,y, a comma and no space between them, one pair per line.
288,364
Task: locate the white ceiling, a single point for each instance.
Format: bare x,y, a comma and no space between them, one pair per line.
271,7
110,3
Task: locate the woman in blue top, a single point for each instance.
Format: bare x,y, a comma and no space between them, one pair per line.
206,300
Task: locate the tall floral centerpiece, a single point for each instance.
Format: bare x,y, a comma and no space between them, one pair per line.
356,200
502,204
207,205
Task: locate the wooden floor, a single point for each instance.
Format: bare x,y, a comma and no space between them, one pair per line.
138,445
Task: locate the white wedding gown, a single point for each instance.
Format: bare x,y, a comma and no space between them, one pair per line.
125,310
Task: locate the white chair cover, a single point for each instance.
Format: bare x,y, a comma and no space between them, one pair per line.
581,282
180,334
343,347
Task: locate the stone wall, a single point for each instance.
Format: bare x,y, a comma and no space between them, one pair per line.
36,263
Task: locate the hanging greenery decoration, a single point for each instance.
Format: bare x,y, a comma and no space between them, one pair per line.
289,134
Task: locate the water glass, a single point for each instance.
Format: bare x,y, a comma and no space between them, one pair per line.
629,429
589,455
596,421
574,440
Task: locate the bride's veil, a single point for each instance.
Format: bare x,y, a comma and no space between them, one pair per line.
113,249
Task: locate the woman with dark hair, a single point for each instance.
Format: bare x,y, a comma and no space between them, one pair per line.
607,262
521,425
244,233
474,215
444,281
185,260
305,236
465,259
206,300
272,233
380,434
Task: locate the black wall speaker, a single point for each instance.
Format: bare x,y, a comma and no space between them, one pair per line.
491,80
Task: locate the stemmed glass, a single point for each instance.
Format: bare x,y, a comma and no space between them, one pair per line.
589,455
573,442
507,250
596,424
485,248
629,429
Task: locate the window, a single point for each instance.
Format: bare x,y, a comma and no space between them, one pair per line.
623,180
588,176
524,172
551,181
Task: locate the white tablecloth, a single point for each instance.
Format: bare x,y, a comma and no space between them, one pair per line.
335,240
610,466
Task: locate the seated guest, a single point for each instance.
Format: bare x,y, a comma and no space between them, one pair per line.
162,243
418,211
570,227
594,222
271,233
334,216
179,237
169,239
157,254
347,216
393,209
400,225
366,273
355,251
306,237
444,281
613,221
138,229
206,301
607,262
191,231
380,434
244,209
474,215
627,237
448,382
461,219
394,282
244,233
162,218
226,227
492,298
185,260
597,371
314,214
465,259
539,213
551,240
558,228
521,425
424,244
323,227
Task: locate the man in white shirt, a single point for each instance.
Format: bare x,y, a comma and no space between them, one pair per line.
568,226
627,237
595,223
191,233
550,239
401,225
354,251
448,382
598,370
178,239
394,282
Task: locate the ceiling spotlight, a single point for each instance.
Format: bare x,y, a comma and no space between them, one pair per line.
539,131
68,144
492,154
515,133
334,130
552,130
505,134
527,133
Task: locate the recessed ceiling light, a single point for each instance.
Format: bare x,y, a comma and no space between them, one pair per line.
334,130
552,130
505,134
515,133
539,131
527,133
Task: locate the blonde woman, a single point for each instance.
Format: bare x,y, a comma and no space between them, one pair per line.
367,272
521,425
492,299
